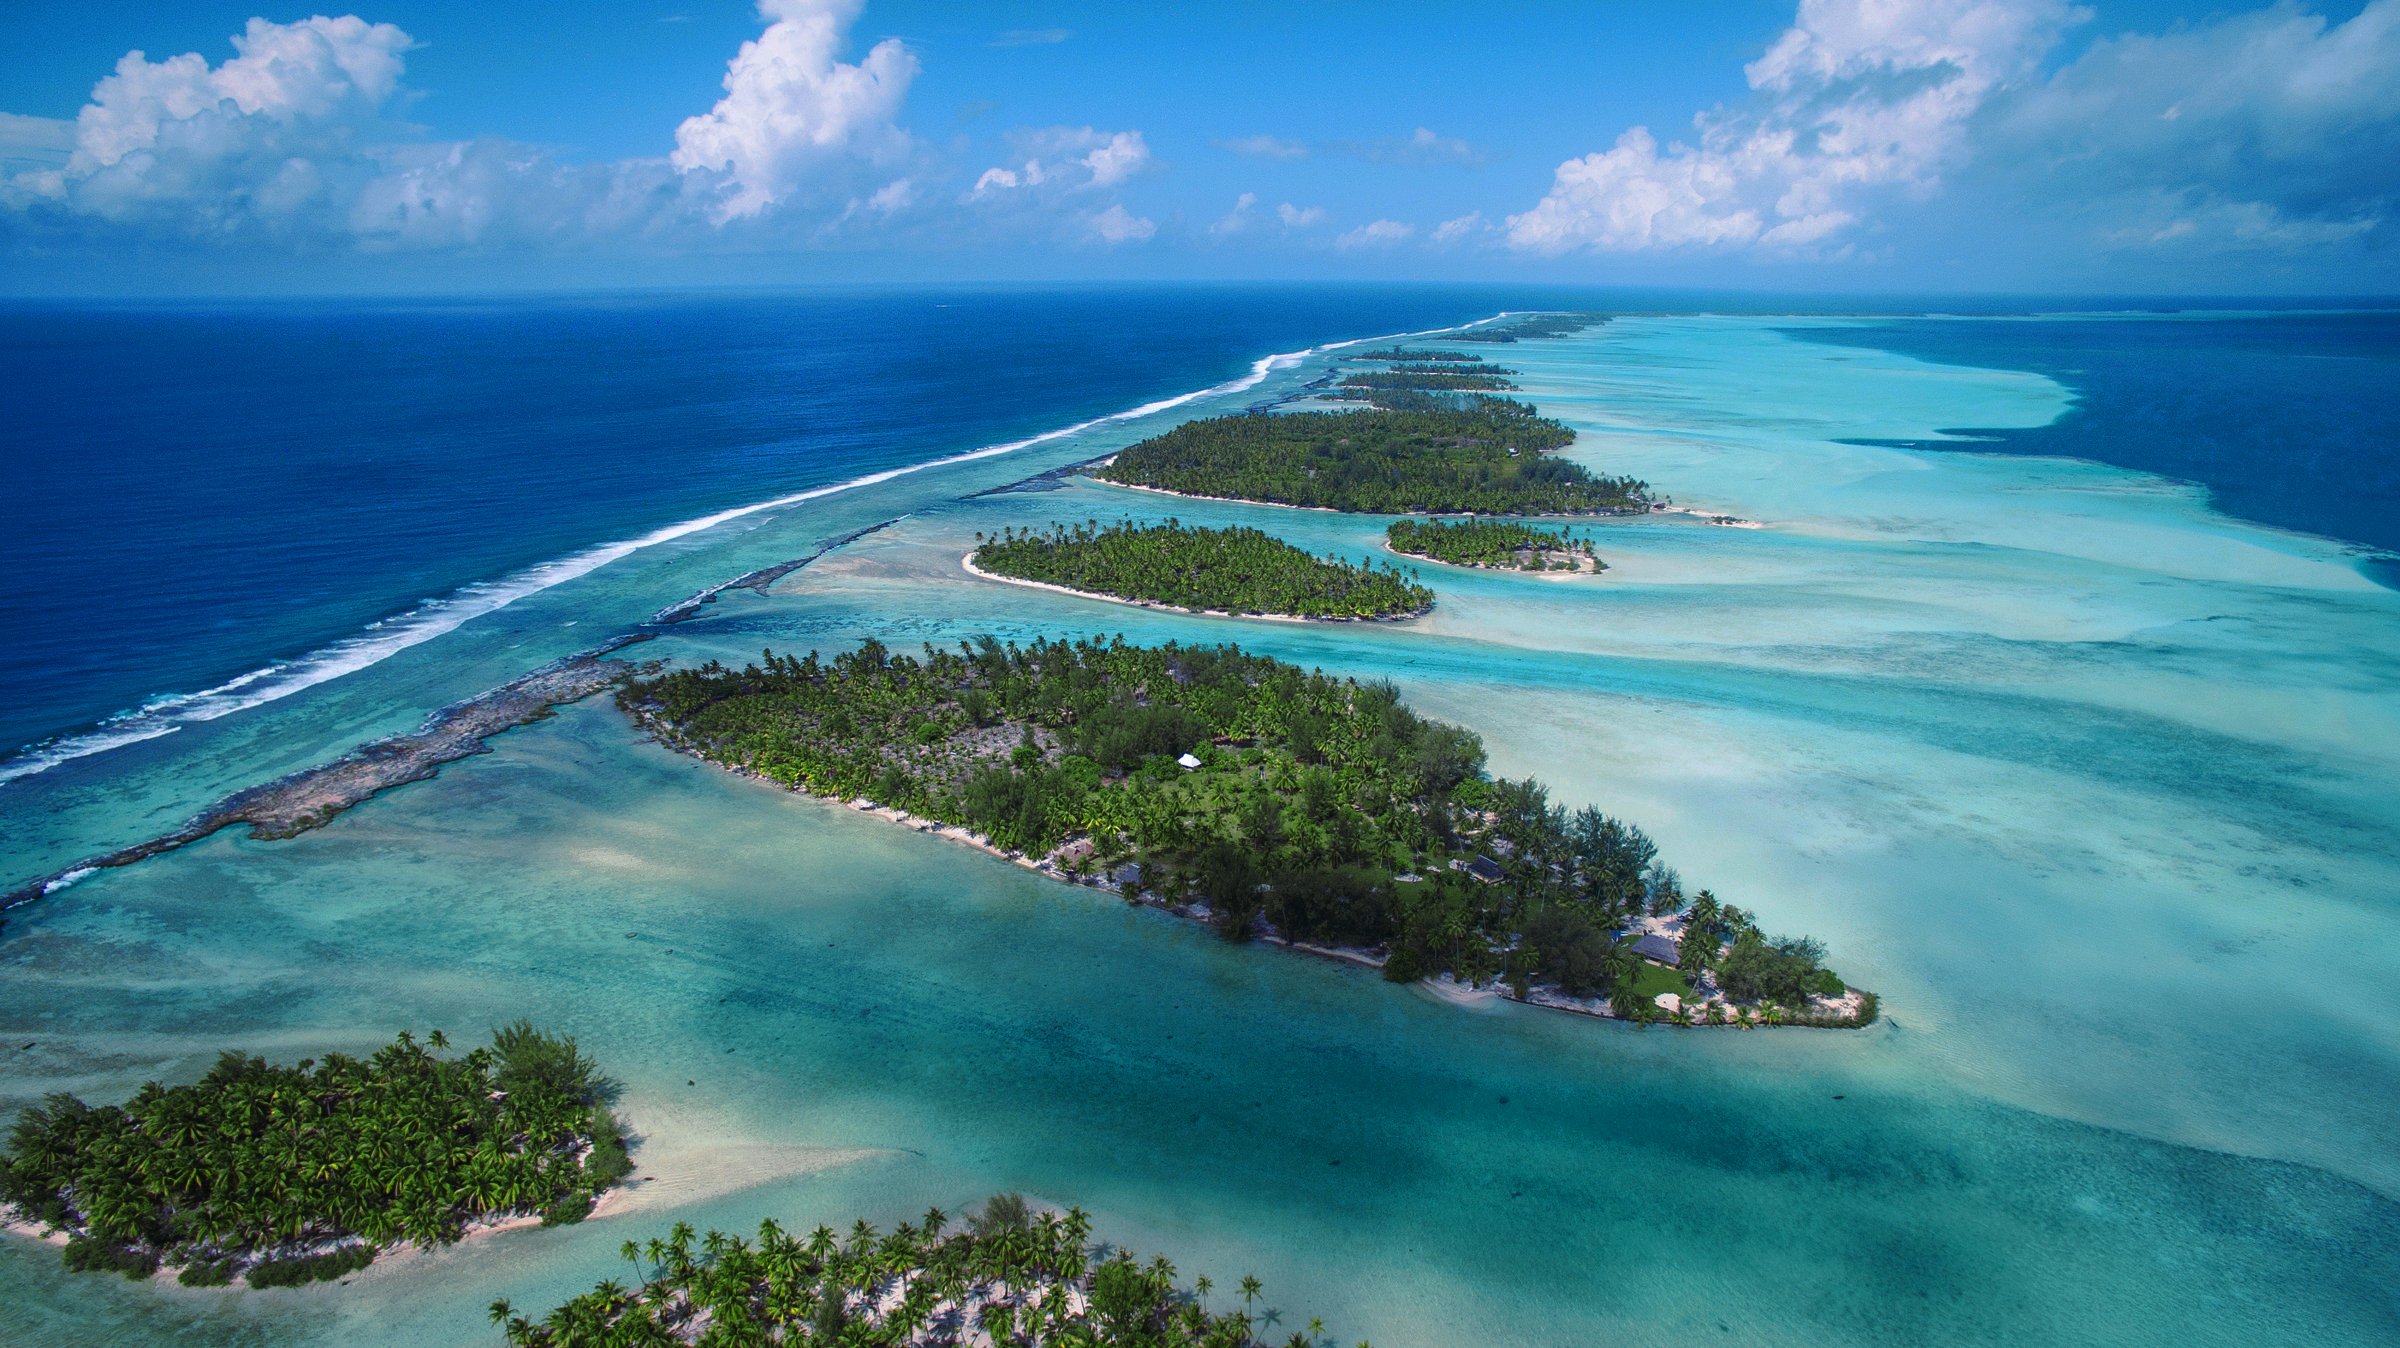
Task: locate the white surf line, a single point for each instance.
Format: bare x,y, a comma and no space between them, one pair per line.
389,636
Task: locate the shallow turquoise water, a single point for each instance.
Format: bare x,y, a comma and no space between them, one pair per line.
2089,782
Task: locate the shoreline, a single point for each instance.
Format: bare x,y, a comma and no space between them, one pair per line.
1443,987
1503,570
394,1255
1716,517
967,563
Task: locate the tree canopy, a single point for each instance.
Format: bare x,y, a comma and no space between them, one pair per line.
1488,456
1493,543
1008,1277
1237,570
256,1166
1321,809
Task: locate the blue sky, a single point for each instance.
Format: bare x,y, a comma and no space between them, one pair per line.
1826,145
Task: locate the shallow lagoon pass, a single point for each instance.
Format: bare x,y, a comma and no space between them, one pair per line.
2062,763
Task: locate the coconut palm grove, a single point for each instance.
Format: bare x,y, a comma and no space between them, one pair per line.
284,1174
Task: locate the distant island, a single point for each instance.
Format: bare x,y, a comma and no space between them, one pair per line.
1008,1276
1499,544
1404,353
288,1175
1234,789
1226,571
1487,458
1428,381
1531,327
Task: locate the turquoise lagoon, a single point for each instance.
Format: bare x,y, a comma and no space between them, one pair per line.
2090,781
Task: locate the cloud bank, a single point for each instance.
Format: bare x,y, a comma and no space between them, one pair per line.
2272,129
1857,95
294,142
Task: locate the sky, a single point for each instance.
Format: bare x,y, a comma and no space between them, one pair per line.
1932,146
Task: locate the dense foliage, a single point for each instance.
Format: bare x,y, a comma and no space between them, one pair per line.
1008,1278
1497,543
1484,458
1441,367
1232,570
1428,381
1323,810
265,1167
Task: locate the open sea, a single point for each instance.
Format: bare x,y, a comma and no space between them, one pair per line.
2058,693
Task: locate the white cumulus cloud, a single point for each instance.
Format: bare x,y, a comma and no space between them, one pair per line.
1119,157
1066,159
1451,231
791,106
1856,96
1299,217
1239,218
2273,129
1117,225
291,142
1376,234
255,144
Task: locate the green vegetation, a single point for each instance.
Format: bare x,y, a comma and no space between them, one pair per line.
1485,458
1494,543
298,1173
1427,381
1783,969
1435,367
1008,1278
1322,810
1232,570
1418,353
1533,327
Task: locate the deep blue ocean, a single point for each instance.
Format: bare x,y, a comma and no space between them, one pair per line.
2288,419
190,491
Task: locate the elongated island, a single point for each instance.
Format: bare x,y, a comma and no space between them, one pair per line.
1212,571
288,1175
1269,802
1480,456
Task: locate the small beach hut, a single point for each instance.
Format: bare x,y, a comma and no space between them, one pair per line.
1655,948
1187,762
1484,868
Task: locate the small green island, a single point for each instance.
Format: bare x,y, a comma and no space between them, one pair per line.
1008,1276
1429,381
1490,457
1238,571
288,1175
1499,544
1267,801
